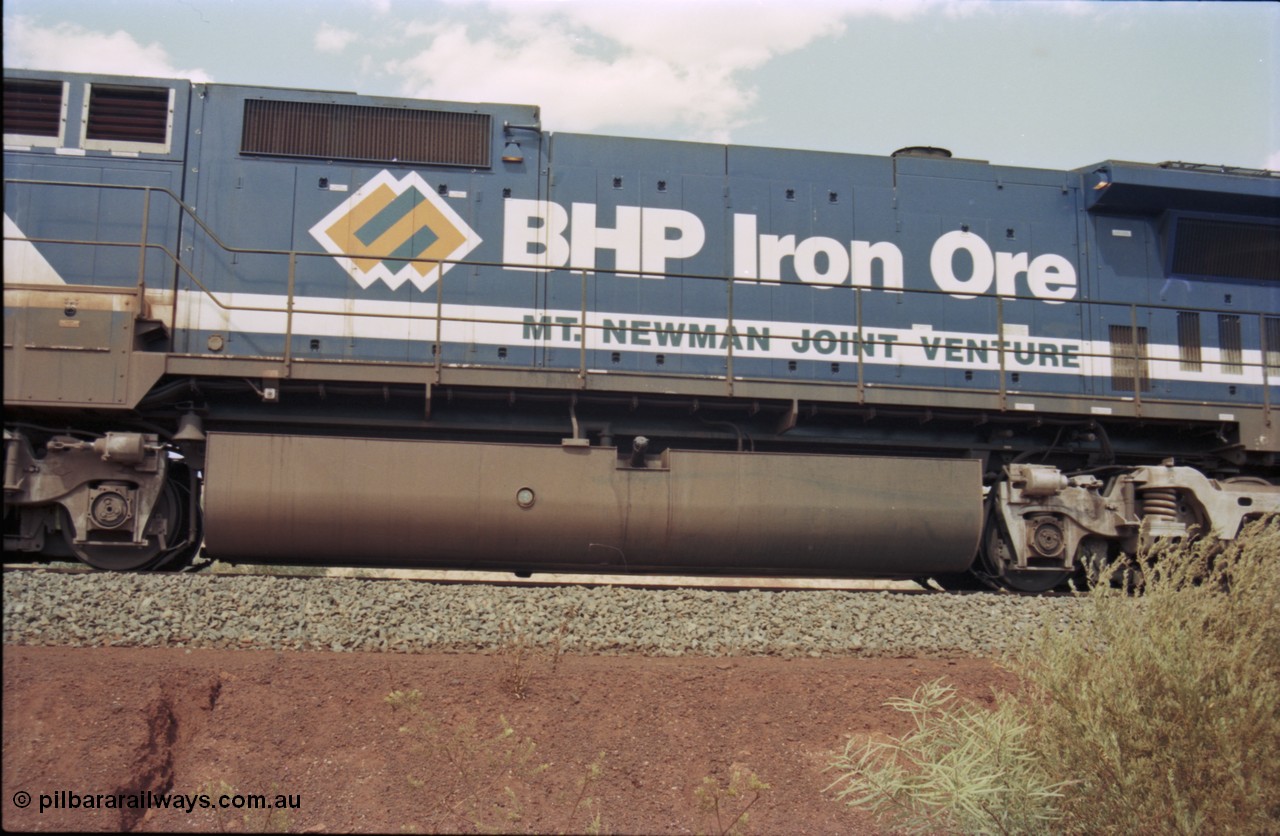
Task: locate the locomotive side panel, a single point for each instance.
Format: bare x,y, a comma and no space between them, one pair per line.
377,202
623,218
126,134
94,174
1196,276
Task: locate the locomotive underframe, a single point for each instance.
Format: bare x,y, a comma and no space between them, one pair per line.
1047,511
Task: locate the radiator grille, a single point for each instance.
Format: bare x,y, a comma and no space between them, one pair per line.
32,108
362,133
128,114
1226,249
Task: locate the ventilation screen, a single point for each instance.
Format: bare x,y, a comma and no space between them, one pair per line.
32,108
1129,359
128,114
1226,249
1189,341
1271,334
358,132
1230,344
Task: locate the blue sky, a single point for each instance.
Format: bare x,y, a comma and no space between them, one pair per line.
1049,84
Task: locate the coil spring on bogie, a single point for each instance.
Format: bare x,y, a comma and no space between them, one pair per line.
1160,502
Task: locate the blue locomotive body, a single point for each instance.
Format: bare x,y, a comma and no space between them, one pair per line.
292,265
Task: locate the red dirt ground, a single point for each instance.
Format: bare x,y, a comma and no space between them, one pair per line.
318,729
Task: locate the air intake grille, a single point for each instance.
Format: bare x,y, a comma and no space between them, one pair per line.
362,133
32,108
128,114
1226,249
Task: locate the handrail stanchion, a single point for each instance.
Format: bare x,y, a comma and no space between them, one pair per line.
438,346
860,349
288,316
729,340
1000,342
142,248
1133,341
1262,357
582,325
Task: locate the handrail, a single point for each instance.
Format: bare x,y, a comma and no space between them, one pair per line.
629,271
291,310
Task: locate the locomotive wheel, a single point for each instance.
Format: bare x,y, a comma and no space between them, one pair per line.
996,558
170,507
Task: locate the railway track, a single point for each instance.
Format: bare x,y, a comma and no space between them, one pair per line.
536,579
420,611
218,568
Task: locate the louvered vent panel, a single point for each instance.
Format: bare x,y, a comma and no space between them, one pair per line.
1230,344
362,133
32,108
1271,333
128,114
1129,360
1227,249
1189,341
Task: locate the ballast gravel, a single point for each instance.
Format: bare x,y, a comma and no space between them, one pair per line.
346,614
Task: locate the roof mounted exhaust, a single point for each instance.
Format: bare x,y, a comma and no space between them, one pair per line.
923,151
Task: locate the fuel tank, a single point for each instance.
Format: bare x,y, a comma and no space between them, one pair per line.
487,505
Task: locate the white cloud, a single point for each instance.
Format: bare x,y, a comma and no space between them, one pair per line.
332,39
73,48
595,65
1273,161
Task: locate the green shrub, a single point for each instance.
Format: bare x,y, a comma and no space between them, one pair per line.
1153,714
963,769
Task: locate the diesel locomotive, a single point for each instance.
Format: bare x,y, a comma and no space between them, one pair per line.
321,326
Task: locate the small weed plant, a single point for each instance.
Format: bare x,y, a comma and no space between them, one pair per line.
480,779
523,659
1155,713
728,804
518,655
584,802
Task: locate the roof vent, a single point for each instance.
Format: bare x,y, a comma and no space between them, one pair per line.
923,151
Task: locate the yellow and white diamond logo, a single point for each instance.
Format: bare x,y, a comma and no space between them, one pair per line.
387,221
